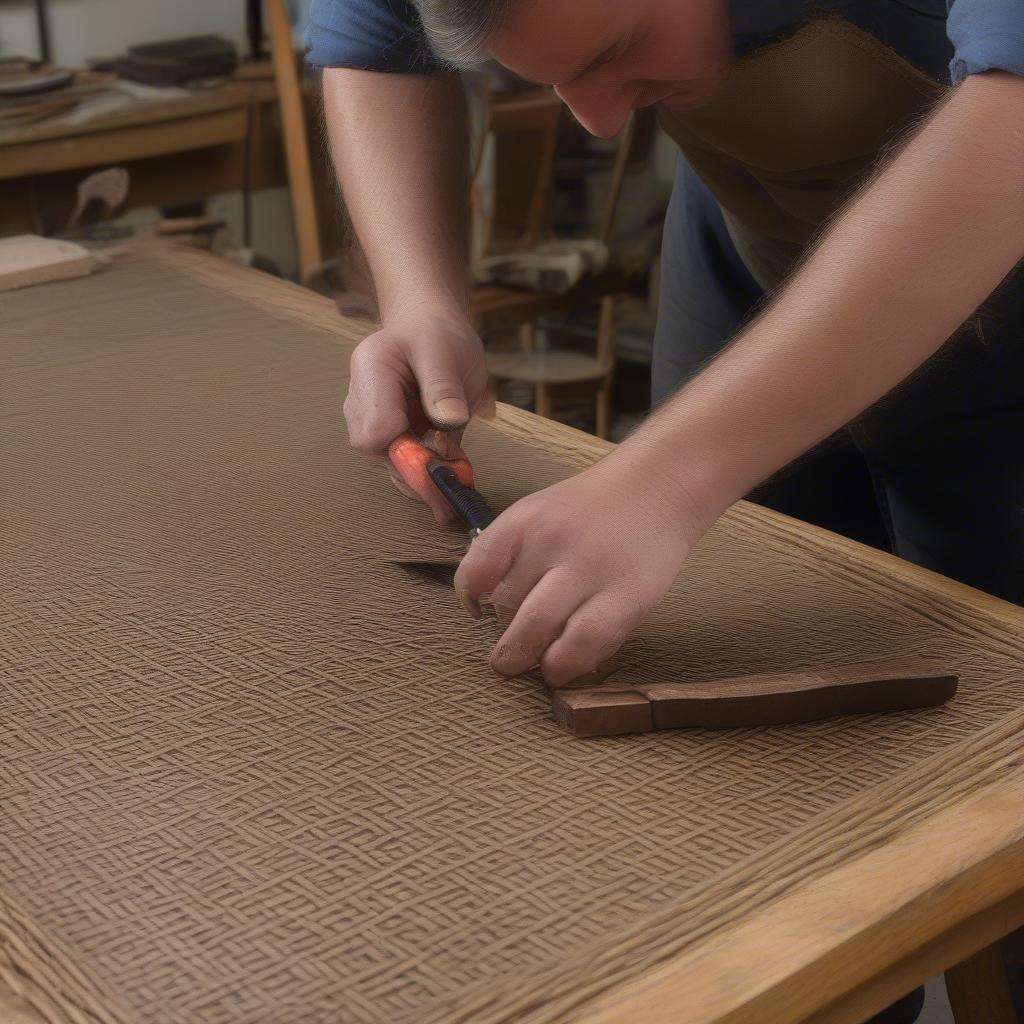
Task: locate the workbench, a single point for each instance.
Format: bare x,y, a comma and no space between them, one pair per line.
251,772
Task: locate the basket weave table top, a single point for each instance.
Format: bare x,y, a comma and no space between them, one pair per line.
249,771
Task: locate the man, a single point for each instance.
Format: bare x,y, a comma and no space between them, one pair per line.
910,259
827,182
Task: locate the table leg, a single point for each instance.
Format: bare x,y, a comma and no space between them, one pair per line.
978,990
542,400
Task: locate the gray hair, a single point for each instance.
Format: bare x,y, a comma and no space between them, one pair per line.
458,30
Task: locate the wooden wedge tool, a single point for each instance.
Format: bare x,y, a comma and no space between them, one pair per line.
781,698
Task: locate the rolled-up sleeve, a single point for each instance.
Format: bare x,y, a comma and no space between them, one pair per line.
987,35
375,35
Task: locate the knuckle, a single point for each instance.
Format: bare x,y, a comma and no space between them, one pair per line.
439,392
374,357
358,434
440,385
507,596
540,622
352,410
362,356
495,545
629,609
354,422
588,633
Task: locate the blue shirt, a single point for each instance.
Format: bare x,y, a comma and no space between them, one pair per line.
947,39
376,35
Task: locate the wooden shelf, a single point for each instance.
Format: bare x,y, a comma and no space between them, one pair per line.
209,118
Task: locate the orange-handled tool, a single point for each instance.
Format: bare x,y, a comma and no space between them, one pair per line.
410,455
436,469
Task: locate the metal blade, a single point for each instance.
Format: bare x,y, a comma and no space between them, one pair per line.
437,572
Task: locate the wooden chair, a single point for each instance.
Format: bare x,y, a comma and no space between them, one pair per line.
541,113
533,117
296,142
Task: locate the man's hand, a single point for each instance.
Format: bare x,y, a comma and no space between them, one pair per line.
436,358
579,564
399,144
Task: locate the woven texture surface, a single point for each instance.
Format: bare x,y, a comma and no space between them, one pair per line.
250,772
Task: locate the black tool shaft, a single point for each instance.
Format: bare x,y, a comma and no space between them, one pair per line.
467,502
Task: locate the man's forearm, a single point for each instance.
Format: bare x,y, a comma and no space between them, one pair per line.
399,145
908,261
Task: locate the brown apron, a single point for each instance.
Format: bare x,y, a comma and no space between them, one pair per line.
796,128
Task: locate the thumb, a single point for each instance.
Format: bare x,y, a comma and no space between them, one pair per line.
441,389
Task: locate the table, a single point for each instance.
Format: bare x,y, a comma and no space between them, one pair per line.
856,890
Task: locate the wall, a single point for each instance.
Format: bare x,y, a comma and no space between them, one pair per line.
83,29
80,29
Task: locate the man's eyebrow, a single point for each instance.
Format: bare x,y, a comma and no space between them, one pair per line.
602,58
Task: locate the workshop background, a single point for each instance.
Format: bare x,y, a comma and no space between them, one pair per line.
197,122
126,118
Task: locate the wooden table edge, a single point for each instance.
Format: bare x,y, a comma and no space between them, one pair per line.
857,937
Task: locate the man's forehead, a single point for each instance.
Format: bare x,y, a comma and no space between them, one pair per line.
554,41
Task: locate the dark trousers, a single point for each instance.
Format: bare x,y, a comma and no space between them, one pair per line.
933,472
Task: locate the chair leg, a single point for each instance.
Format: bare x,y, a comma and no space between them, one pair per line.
527,336
978,990
528,343
604,408
606,353
542,400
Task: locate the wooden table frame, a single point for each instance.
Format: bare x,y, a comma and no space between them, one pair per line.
934,896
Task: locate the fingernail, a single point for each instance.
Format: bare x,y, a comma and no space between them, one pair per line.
499,662
450,412
507,661
469,606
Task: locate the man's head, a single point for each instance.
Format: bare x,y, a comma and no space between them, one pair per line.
604,57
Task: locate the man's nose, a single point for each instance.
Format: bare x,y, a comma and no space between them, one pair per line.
603,113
